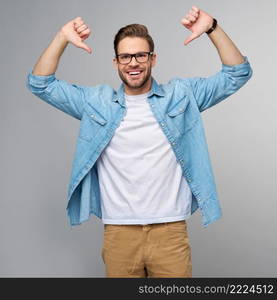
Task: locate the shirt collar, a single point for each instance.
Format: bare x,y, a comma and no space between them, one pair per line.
156,89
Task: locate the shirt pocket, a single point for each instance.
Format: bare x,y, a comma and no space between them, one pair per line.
92,123
182,115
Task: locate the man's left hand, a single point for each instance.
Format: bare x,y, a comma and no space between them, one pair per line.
198,22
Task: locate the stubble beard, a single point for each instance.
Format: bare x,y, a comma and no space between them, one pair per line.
134,85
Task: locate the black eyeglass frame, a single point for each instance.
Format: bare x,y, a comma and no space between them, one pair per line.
149,53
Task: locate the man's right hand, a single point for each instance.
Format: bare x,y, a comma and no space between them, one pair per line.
75,32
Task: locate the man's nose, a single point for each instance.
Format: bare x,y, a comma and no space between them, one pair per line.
133,61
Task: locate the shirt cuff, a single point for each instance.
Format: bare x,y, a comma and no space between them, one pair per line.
243,65
40,80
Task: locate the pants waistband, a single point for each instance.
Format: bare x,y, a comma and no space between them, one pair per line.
144,226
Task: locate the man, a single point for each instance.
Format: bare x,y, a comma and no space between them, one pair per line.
141,162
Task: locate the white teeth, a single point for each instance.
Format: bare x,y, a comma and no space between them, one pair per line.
134,73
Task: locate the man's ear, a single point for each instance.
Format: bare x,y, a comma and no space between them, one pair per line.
115,63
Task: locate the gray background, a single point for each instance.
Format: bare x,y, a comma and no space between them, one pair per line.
38,141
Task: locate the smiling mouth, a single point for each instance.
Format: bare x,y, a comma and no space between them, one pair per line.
134,74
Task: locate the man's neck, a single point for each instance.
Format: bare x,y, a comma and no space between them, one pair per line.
143,90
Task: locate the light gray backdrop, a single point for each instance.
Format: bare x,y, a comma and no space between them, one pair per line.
38,141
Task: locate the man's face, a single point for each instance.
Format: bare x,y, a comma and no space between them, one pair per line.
135,84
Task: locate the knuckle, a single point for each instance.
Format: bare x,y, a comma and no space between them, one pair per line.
84,32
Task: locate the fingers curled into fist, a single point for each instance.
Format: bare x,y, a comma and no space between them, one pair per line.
75,32
191,17
81,28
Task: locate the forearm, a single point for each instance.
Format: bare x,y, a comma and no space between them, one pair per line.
227,50
48,62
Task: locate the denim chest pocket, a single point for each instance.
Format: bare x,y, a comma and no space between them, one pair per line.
92,123
183,116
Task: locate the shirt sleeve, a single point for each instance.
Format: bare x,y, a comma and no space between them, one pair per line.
212,90
69,98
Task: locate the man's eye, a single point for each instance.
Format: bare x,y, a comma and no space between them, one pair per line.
125,56
141,55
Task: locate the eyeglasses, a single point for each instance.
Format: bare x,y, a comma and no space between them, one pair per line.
141,57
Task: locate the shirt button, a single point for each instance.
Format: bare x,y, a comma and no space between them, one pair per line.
162,124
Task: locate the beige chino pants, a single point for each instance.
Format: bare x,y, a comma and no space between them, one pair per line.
153,250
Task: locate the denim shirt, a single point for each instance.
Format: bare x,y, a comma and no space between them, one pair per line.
177,107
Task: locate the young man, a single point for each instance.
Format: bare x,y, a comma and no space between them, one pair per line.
141,162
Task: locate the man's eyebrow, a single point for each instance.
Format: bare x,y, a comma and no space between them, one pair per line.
131,53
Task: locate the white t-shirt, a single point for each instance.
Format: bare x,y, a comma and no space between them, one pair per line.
140,178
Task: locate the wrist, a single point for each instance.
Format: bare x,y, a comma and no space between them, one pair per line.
213,26
61,37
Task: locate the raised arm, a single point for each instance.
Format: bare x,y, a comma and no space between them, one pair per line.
74,32
199,22
235,72
42,82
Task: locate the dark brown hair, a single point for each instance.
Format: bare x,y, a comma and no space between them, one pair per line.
133,30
